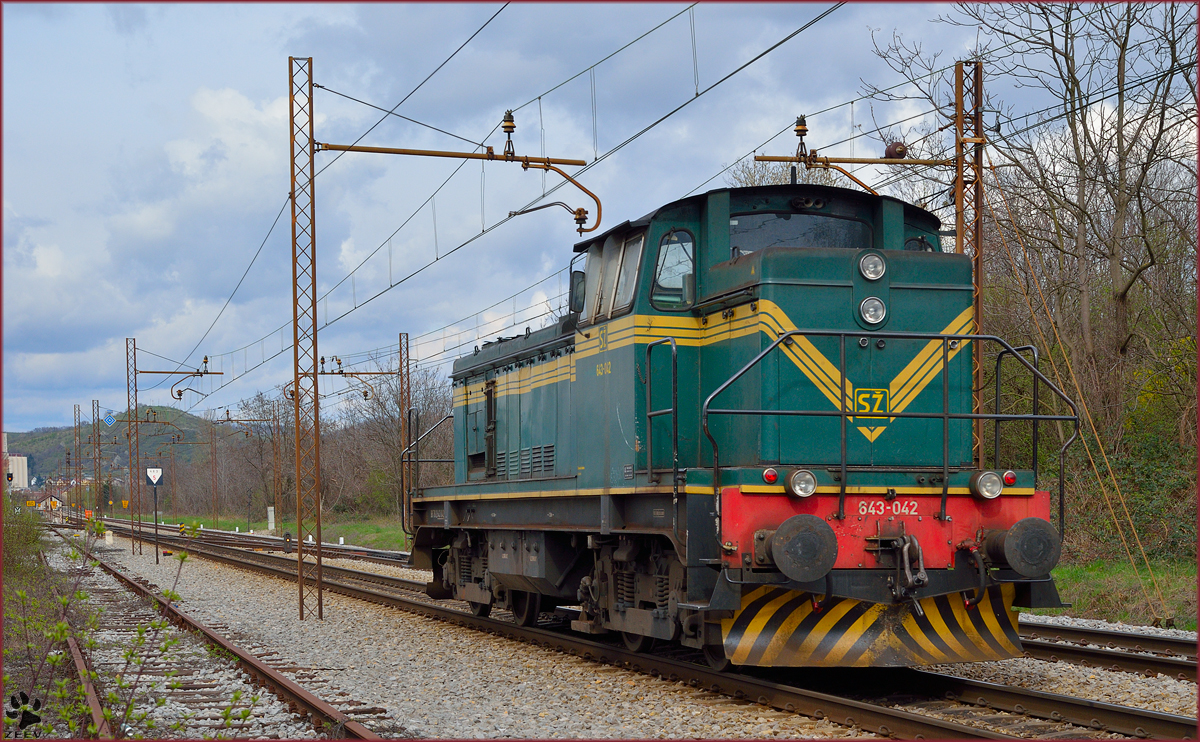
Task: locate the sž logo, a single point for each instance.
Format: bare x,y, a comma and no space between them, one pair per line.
23,712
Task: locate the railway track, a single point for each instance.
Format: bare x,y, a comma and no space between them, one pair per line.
1111,650
1105,649
1036,713
200,695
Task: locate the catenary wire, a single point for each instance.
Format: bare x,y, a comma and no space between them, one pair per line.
231,295
1088,100
559,185
414,90
843,104
397,115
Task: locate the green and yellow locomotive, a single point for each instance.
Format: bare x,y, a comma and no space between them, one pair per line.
753,434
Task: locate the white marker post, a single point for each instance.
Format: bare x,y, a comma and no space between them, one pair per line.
271,519
153,475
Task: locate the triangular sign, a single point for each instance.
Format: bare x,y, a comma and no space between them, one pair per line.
154,474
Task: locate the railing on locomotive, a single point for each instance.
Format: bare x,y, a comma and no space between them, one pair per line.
945,415
410,464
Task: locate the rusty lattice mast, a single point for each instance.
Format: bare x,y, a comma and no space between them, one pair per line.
404,370
969,138
134,482
304,339
95,441
277,481
77,470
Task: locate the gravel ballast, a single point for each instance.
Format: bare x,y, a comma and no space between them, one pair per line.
1094,623
207,680
443,681
431,679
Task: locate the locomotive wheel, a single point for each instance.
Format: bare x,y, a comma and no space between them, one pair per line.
715,654
480,609
637,642
525,607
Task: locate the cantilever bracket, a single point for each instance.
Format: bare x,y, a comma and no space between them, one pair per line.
526,162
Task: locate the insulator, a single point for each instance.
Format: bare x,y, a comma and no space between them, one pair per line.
801,127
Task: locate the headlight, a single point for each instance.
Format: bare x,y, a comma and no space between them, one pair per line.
872,266
802,483
986,484
872,310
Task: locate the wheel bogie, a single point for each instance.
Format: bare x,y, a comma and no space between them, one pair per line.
631,585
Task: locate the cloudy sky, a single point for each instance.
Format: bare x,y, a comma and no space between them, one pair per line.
146,159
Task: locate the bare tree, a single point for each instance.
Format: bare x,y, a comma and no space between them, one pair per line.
748,172
1099,181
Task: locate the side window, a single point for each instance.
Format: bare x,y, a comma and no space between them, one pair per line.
611,266
611,277
675,274
592,269
629,267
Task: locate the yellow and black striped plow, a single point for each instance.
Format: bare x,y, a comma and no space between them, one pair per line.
780,628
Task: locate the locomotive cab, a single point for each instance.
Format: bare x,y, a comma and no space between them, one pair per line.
754,433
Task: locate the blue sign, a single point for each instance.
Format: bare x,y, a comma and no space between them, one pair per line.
110,420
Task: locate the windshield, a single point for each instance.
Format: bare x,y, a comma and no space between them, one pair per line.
751,232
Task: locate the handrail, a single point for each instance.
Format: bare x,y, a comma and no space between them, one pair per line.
411,456
673,411
946,416
999,358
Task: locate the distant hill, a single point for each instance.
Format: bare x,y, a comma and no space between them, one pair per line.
47,447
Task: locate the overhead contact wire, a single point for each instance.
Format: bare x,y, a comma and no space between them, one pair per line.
585,168
414,90
494,129
1083,404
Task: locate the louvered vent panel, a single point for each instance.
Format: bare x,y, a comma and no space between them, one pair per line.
514,461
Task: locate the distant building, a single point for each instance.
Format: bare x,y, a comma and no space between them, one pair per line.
19,466
50,502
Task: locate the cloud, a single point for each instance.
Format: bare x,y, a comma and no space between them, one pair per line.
127,19
140,181
237,154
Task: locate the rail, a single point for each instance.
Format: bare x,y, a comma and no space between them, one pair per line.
828,701
947,342
324,716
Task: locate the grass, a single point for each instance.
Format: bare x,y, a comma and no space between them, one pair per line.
376,532
1110,590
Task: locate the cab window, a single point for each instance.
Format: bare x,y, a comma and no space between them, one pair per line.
675,272
611,276
752,232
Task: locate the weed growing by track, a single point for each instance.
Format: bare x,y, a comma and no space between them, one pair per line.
1109,590
42,609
